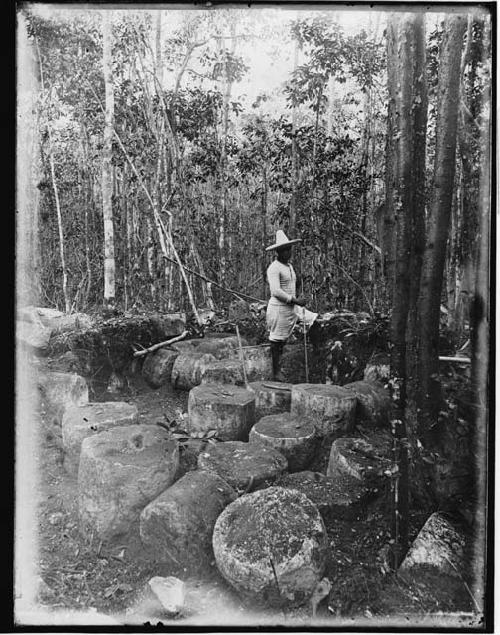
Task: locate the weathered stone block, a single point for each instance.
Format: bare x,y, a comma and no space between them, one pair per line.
258,364
230,410
243,464
271,546
359,459
80,422
224,372
121,471
293,436
179,523
330,407
439,544
60,390
271,397
157,367
374,402
187,369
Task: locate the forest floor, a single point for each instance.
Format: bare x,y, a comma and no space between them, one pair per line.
79,576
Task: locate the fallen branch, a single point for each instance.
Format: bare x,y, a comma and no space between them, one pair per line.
155,347
460,360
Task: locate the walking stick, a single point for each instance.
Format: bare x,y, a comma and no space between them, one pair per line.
305,343
242,356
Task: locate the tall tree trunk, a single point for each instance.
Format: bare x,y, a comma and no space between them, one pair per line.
480,344
264,233
295,163
107,174
405,204
56,196
439,220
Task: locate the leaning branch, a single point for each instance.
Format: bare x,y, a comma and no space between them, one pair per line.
155,347
216,284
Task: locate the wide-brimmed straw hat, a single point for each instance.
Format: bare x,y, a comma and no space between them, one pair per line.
282,240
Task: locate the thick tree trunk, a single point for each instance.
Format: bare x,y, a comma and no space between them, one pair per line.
295,163
480,345
439,220
107,174
404,216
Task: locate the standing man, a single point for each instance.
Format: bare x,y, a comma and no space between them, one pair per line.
282,313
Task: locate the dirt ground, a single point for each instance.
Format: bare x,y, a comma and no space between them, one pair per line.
79,574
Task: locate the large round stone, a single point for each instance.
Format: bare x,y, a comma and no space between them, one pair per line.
360,459
241,464
271,546
230,410
187,369
374,402
178,524
157,367
293,436
330,407
271,397
80,422
121,471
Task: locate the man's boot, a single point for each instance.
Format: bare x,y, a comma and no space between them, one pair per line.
276,351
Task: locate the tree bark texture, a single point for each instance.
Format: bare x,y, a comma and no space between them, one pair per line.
439,217
404,220
107,173
481,346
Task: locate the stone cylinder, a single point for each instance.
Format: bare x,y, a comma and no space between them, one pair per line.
360,459
227,409
331,408
243,464
271,546
157,367
178,524
271,397
224,372
374,403
292,436
80,422
121,471
187,369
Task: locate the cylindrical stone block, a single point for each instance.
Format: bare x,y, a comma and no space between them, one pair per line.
359,459
179,523
157,367
271,546
330,407
230,410
80,422
121,471
243,464
271,397
258,364
293,436
187,369
224,372
374,402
